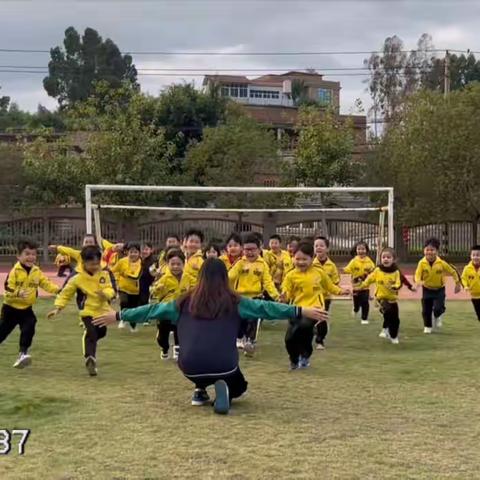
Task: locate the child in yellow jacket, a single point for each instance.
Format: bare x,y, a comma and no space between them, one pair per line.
194,258
95,288
431,272
166,289
234,250
471,278
21,293
359,268
279,261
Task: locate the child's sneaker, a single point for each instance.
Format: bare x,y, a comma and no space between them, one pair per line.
122,324
438,321
384,333
249,348
320,346
427,330
176,352
303,362
364,322
395,341
23,360
222,398
200,397
294,366
354,314
164,356
133,329
91,366
240,343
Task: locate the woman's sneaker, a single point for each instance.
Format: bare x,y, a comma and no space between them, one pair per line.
23,360
222,398
200,397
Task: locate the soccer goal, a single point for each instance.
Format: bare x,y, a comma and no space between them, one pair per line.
383,204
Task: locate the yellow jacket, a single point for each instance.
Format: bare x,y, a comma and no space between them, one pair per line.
127,275
388,284
192,269
251,279
76,256
61,260
226,260
87,286
304,289
19,282
330,269
359,269
279,265
433,276
166,288
471,280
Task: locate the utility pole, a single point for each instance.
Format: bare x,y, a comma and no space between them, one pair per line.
446,85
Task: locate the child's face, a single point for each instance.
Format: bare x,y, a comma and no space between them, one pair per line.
175,265
193,244
430,253
146,251
88,241
292,247
28,257
92,266
475,257
133,254
212,253
274,245
251,251
234,249
302,261
321,248
171,242
387,259
361,251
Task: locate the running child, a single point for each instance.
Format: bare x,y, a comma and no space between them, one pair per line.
194,258
172,241
127,273
278,260
234,250
21,293
359,268
292,245
62,262
96,288
430,273
471,278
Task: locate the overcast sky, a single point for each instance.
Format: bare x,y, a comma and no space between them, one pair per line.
229,26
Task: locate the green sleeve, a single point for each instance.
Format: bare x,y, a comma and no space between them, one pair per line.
249,309
159,311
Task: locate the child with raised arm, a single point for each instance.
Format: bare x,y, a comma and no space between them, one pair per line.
471,279
96,289
431,272
359,268
21,293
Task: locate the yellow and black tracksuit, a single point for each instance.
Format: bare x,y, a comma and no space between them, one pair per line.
63,263
471,283
21,292
191,271
431,275
279,263
359,268
388,281
94,295
127,275
303,289
329,267
166,289
251,280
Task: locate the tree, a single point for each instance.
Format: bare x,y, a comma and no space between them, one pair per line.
323,155
431,155
83,61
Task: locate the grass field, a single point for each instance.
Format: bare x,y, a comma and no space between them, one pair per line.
364,410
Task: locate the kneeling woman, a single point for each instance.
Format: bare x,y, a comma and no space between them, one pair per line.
208,319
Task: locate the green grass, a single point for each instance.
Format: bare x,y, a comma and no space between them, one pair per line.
364,410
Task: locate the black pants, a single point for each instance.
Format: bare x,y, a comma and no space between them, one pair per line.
91,336
433,301
163,334
361,301
62,269
391,319
321,329
128,300
251,329
298,339
10,317
476,306
237,385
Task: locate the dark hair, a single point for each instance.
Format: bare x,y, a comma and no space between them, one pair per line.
259,236
252,238
92,252
24,244
147,244
306,248
236,237
173,235
174,253
91,235
475,247
324,239
432,242
212,296
211,245
132,246
275,237
194,231
354,249
294,238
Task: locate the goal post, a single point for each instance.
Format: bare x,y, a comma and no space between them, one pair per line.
92,208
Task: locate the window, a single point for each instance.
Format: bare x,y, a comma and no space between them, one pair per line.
269,182
235,90
264,94
324,96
